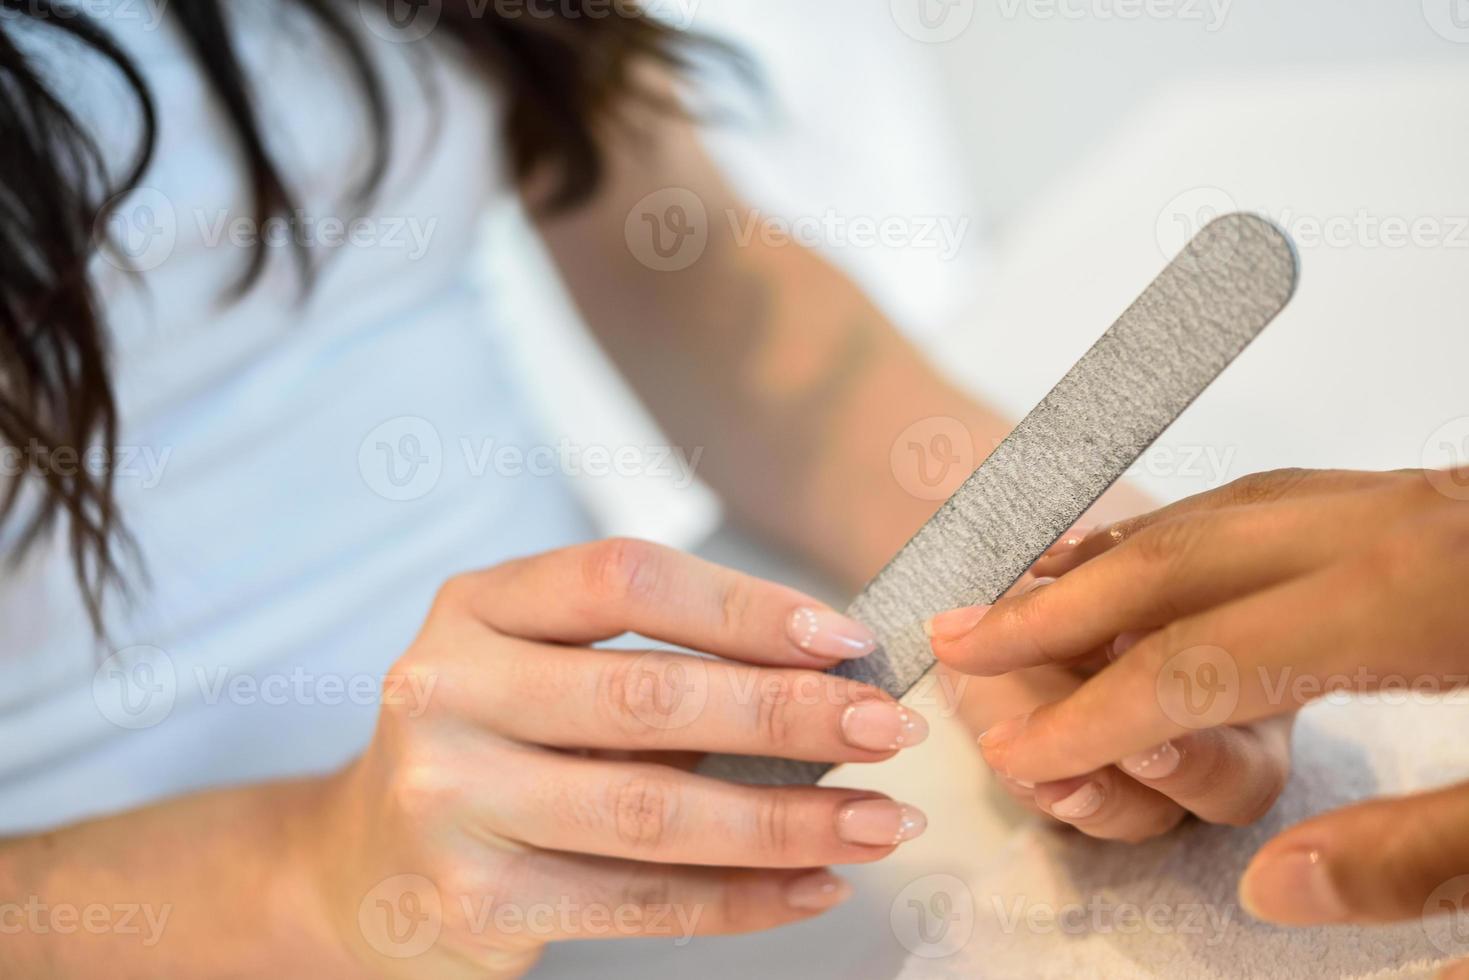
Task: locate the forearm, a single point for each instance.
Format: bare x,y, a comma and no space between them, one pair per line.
214,884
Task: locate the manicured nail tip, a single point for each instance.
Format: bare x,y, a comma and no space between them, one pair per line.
1071,542
1080,804
1039,583
1123,643
1294,888
997,735
1159,763
883,726
880,823
817,891
955,623
829,634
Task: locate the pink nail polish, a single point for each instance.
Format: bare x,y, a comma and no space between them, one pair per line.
882,726
1294,888
826,633
1079,805
1070,542
817,891
1158,763
1124,642
997,735
880,823
954,624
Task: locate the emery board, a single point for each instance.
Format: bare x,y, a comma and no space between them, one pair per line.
1226,286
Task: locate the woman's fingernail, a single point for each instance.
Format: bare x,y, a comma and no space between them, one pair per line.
882,726
1294,887
829,634
817,891
1082,803
996,736
1071,542
1155,764
880,823
955,623
1124,642
1039,583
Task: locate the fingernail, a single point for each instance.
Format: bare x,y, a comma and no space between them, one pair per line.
817,891
1039,583
1124,642
1071,542
1084,802
1294,887
996,736
882,726
880,823
1155,764
955,623
829,634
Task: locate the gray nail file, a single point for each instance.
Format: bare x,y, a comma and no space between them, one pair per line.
1196,317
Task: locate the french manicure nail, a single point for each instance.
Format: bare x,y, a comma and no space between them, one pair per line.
1124,642
1157,763
1071,542
817,891
880,823
1294,888
997,735
882,726
1039,583
827,633
1079,805
955,623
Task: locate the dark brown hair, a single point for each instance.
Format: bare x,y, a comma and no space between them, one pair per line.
564,66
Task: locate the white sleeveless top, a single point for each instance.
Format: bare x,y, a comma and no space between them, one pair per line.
300,473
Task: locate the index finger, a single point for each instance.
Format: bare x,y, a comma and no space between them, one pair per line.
596,591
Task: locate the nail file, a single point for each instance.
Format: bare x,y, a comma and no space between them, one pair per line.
1227,285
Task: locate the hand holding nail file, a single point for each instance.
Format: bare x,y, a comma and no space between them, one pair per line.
1226,286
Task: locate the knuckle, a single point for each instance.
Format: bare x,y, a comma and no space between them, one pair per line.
453,595
621,570
773,818
642,809
736,598
633,694
1262,488
774,717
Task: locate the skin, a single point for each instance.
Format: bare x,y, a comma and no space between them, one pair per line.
546,771
1349,581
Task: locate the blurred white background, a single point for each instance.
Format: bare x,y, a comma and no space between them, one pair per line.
1067,146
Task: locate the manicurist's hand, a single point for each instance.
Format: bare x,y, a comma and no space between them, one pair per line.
1237,607
545,792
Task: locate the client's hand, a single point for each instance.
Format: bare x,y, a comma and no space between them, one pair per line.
1243,605
546,795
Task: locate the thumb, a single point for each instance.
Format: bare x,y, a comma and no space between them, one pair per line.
1381,861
